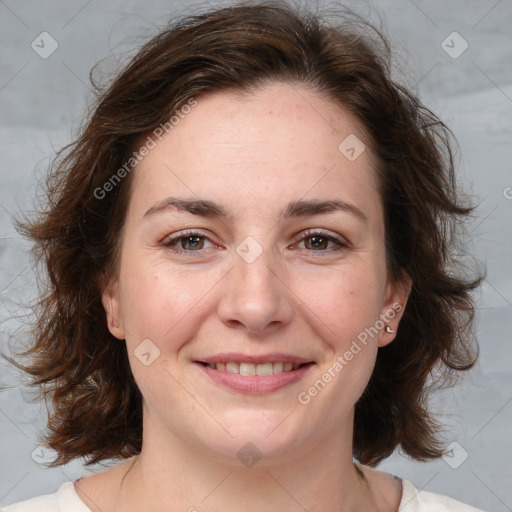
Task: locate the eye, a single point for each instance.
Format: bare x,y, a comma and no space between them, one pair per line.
193,241
186,242
318,241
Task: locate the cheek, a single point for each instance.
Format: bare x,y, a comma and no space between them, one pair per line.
161,311
343,308
158,299
342,302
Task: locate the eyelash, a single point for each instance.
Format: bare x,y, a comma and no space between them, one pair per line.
171,243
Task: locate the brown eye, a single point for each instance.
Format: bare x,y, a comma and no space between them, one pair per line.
187,242
193,242
318,241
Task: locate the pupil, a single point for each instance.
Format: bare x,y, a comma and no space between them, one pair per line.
194,244
316,239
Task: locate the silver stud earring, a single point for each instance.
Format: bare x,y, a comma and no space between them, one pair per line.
388,329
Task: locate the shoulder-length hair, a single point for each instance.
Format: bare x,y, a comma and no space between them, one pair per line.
83,371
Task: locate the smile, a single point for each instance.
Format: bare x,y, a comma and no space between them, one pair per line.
251,369
253,378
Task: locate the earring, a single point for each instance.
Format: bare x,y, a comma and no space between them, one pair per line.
388,329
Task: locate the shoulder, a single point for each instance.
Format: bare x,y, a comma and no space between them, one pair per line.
414,500
64,500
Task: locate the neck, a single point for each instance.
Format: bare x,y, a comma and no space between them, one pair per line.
175,475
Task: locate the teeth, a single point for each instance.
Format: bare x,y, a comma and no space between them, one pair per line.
232,367
264,369
277,368
250,369
247,369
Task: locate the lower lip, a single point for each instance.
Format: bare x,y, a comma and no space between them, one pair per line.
256,385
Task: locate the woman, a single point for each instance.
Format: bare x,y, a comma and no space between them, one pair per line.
251,280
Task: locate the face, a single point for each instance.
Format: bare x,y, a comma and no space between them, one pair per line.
252,265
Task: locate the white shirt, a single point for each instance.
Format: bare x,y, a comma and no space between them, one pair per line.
66,500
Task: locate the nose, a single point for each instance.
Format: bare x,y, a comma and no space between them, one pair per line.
256,296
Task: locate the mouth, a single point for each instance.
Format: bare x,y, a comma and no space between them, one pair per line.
255,377
252,369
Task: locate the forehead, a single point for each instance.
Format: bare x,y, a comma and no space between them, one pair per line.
258,150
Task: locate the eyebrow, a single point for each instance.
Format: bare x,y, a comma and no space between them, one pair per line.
300,208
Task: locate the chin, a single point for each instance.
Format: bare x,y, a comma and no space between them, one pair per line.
263,435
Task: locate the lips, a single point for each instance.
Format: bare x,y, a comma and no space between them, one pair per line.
255,374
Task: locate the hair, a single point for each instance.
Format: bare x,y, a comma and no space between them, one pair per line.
82,371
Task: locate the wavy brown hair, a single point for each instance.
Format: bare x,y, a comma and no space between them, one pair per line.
95,407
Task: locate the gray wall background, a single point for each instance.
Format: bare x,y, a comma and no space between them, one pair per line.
42,101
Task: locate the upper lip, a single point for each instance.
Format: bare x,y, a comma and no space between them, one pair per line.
275,357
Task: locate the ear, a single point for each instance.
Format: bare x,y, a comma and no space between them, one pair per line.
397,294
112,307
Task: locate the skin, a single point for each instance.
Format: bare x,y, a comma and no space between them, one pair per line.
252,154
